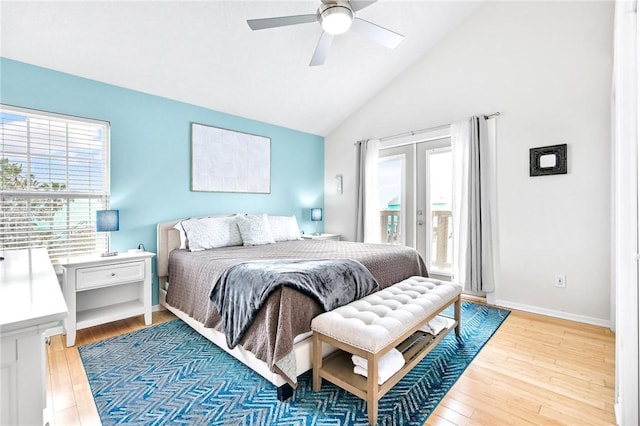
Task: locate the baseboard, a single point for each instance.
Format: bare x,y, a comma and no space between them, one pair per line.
474,297
54,331
551,313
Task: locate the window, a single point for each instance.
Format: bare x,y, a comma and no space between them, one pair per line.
53,177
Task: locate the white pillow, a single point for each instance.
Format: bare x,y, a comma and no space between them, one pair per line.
254,229
183,236
284,228
211,232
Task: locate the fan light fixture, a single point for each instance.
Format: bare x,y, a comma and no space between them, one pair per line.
336,19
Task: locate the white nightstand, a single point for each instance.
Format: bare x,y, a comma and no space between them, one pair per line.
104,289
321,237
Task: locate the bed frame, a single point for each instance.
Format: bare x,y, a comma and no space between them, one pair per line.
168,239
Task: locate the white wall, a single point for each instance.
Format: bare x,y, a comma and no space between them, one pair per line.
547,68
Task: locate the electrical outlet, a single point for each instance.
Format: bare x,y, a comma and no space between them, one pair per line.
561,280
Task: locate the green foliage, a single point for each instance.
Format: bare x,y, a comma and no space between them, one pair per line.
11,175
22,215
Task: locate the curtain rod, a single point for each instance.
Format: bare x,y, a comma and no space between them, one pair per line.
417,132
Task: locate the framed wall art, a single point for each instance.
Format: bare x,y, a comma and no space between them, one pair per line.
228,161
548,160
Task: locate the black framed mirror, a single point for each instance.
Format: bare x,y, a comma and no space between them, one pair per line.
548,160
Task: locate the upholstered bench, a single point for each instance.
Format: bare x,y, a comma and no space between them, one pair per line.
374,325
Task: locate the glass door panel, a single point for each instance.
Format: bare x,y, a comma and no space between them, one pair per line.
439,179
395,189
434,196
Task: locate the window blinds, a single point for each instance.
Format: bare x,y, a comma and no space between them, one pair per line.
53,178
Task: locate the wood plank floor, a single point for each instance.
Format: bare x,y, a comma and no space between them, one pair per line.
535,370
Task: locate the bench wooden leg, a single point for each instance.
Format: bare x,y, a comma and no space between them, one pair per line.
372,388
317,362
457,314
372,411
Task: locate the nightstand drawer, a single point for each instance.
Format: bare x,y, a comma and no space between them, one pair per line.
100,276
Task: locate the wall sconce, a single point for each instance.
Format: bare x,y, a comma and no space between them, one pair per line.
339,187
316,216
108,221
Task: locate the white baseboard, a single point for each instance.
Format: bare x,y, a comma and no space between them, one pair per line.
551,313
474,297
59,329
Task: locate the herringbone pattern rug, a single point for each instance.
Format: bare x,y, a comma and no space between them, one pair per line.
169,374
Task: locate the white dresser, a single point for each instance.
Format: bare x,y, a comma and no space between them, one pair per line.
31,302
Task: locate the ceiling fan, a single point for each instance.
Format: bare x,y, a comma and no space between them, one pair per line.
335,17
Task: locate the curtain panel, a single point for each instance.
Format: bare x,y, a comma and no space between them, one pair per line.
367,205
473,147
625,216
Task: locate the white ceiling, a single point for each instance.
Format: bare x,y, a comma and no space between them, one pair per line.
203,52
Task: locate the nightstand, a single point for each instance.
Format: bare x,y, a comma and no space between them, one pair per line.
322,237
104,289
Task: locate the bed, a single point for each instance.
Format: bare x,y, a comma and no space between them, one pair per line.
278,344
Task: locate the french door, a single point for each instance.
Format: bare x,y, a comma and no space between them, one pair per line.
414,182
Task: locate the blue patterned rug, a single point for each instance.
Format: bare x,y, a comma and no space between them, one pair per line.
169,374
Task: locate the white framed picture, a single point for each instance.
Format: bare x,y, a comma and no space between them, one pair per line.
225,160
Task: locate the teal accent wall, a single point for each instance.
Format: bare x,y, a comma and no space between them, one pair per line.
151,153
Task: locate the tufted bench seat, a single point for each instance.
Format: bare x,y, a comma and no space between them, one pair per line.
372,326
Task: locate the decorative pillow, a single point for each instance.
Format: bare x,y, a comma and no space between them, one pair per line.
254,229
183,236
211,232
284,228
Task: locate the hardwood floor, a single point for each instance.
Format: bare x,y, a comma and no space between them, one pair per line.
534,370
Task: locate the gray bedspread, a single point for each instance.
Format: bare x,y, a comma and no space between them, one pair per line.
287,312
242,289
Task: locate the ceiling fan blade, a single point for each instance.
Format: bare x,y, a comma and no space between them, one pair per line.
322,49
281,21
357,5
379,34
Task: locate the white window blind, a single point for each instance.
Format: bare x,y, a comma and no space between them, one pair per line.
54,175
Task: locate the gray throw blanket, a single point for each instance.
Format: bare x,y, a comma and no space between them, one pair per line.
243,288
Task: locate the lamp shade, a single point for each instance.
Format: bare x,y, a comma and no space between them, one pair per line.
107,220
316,214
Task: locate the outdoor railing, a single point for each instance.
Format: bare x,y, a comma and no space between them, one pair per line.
440,249
390,227
390,233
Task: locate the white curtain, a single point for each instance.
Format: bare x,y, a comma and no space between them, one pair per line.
368,208
473,146
625,215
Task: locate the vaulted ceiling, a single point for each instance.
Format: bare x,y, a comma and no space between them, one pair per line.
204,53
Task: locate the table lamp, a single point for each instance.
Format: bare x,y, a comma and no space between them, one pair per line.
108,221
316,216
